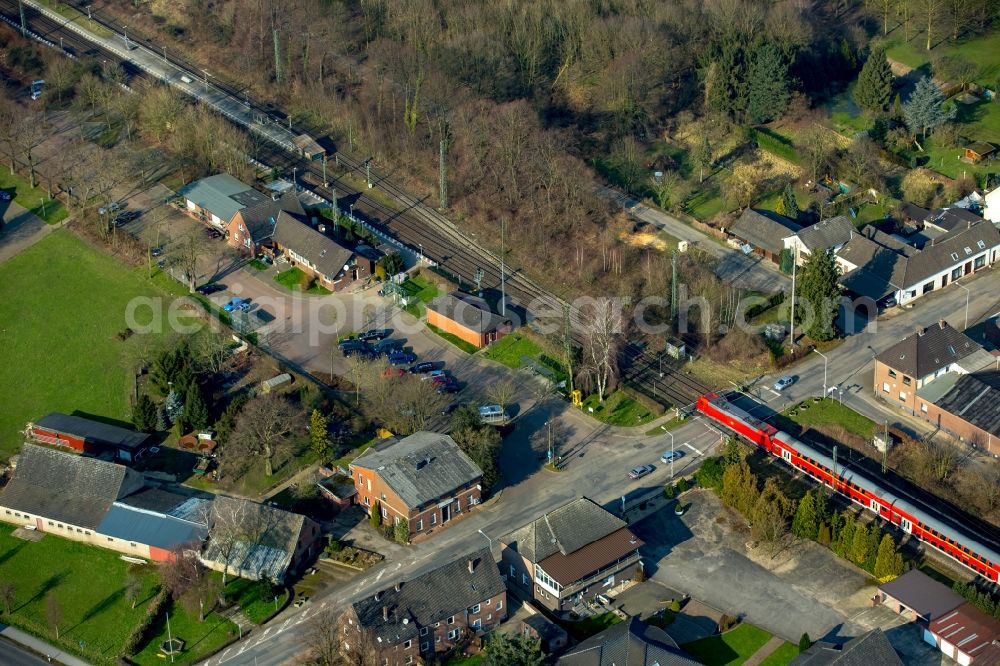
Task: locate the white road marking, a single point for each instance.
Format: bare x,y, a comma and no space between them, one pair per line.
698,451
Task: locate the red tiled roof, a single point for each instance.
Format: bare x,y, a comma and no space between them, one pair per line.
567,569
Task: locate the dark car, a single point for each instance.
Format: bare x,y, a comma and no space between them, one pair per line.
157,251
422,367
210,288
402,358
5,195
450,408
386,347
353,344
448,386
212,233
375,334
127,216
360,352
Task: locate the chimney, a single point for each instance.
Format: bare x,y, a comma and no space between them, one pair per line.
385,613
942,323
472,565
399,586
970,224
920,330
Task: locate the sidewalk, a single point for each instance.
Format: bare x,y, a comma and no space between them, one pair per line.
765,651
20,230
53,654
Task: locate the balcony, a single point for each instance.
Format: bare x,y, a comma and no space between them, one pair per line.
597,576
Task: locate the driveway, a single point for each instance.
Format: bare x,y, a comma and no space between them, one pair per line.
20,229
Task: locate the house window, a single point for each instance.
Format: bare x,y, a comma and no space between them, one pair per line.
385,513
79,530
424,647
451,620
437,639
885,389
361,478
923,408
367,503
609,581
489,617
954,256
420,524
59,525
892,374
434,518
409,659
87,533
957,273
407,644
477,623
513,572
453,634
500,605
49,522
110,539
475,609
968,251
8,513
907,381
423,631
383,497
979,262
902,396
981,244
524,579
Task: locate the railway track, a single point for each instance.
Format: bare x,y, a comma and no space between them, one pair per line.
416,225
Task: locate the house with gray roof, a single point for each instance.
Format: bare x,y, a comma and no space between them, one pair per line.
570,554
469,317
257,541
831,234
628,643
907,273
763,232
865,650
918,597
334,266
216,199
88,436
424,479
426,616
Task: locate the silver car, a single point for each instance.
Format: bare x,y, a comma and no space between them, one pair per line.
784,383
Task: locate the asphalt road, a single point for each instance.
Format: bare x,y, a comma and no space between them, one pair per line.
12,654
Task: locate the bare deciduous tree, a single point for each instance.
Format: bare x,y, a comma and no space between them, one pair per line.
7,592
133,588
53,612
264,431
502,392
332,641
602,324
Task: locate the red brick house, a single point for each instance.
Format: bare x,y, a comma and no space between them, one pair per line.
252,228
569,555
333,265
416,620
424,479
88,436
467,317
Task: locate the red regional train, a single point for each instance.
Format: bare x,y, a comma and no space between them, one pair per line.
860,489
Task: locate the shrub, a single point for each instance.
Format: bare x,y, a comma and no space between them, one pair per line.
804,643
682,486
375,519
727,622
334,546
675,605
668,491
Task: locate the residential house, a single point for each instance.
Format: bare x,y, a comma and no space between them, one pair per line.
889,270
330,263
763,232
991,205
66,494
948,219
569,554
216,199
918,597
417,619
257,541
966,635
630,642
252,228
88,436
831,234
966,405
338,489
551,636
467,317
423,479
920,371
868,649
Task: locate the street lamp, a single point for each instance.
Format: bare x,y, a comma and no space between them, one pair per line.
125,32
824,369
487,538
165,54
294,171
421,251
967,293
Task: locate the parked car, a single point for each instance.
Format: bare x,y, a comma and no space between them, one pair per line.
360,352
784,383
402,358
127,216
422,367
157,251
449,385
450,408
375,334
5,195
393,372
671,455
435,374
210,288
235,303
212,233
640,471
388,346
112,207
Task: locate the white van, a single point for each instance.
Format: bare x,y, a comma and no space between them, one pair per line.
186,79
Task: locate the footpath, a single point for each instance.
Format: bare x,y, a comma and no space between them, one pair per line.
53,654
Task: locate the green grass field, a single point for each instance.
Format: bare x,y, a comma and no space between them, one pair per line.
983,51
61,305
782,656
845,115
200,638
33,198
294,279
510,349
594,624
829,412
728,649
419,291
255,600
89,584
618,410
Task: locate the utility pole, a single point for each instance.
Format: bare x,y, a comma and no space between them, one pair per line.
125,33
325,183
277,55
885,448
24,20
442,176
673,290
568,346
503,278
368,172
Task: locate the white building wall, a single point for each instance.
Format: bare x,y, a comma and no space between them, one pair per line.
991,210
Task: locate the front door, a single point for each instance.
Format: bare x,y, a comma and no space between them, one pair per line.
968,268
445,513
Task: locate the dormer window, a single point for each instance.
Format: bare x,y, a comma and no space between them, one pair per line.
968,250
981,244
954,256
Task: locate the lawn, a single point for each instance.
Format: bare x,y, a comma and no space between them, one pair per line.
706,202
89,584
467,347
982,51
419,291
294,279
618,410
257,601
782,656
62,304
33,198
200,638
471,660
977,122
257,265
664,427
594,624
829,412
731,648
510,350
846,116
